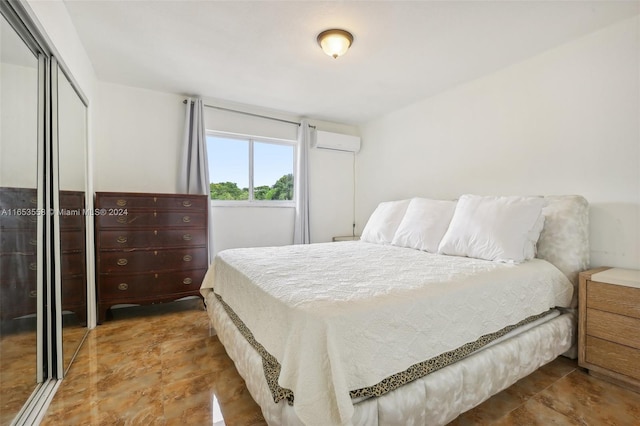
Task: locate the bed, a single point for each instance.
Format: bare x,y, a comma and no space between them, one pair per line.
385,332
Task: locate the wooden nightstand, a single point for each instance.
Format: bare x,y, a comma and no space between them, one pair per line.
609,325
346,238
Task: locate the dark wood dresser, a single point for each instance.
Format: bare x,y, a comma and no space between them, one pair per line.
73,253
150,248
18,252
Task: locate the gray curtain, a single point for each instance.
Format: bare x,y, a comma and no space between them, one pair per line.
301,230
194,176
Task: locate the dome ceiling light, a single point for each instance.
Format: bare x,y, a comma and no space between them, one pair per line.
335,42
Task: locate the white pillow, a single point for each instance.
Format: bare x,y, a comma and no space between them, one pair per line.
384,221
424,224
504,229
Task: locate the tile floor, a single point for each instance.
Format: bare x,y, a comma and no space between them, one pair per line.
17,366
18,359
157,365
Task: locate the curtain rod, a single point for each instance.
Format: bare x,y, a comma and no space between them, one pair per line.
251,114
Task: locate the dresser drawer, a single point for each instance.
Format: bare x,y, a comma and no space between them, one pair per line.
13,241
149,286
126,262
121,239
19,296
18,198
613,327
72,219
71,200
614,298
72,264
19,222
72,211
612,356
18,301
23,268
161,201
152,219
73,291
72,240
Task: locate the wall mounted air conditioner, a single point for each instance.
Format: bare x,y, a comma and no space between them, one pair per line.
336,141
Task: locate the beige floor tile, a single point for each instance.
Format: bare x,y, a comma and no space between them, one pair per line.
157,365
533,413
588,400
183,359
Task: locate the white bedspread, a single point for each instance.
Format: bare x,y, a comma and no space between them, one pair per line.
344,316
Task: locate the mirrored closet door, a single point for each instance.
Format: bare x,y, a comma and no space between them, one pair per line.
72,178
43,222
21,224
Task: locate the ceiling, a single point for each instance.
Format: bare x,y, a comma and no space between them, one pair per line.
264,53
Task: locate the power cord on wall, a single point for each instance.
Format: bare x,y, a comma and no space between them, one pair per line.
353,229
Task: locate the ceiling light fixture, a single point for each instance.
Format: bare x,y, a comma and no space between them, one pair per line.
335,42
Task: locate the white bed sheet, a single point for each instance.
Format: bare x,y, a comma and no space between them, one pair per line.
433,400
327,312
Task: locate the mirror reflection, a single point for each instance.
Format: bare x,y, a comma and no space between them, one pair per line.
19,217
72,180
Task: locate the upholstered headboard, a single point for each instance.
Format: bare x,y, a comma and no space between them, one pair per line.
564,240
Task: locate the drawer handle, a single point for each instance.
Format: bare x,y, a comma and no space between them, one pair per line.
121,203
122,262
121,239
123,286
33,293
187,258
33,219
33,266
187,281
186,219
122,219
187,237
186,203
33,242
33,201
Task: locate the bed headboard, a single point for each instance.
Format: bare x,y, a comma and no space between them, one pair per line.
564,240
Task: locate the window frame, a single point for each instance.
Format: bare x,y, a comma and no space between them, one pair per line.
251,139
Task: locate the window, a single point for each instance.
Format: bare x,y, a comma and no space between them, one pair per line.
250,169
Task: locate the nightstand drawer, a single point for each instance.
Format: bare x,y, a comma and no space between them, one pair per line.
615,357
615,328
614,298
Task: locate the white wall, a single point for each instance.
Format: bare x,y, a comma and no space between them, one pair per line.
138,148
19,129
138,133
331,184
564,122
72,138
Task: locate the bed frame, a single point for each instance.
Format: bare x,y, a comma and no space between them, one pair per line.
442,395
